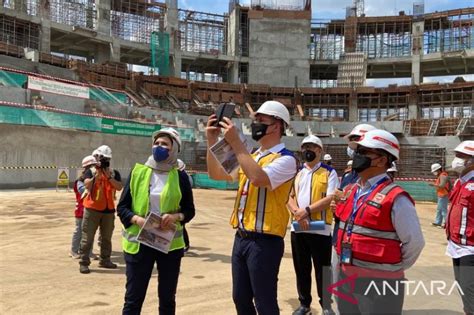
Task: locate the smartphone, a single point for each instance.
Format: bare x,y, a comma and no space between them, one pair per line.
224,110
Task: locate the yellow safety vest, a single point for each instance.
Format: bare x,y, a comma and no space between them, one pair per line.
265,210
319,187
169,203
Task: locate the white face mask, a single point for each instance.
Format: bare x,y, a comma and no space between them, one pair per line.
350,152
458,165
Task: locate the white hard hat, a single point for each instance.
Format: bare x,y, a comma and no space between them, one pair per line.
349,163
181,165
88,160
276,109
359,130
95,153
313,139
170,132
466,147
327,157
393,168
435,167
378,139
105,151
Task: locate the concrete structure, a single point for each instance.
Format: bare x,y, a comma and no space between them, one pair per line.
248,44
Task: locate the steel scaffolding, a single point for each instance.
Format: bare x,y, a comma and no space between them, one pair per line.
136,20
19,32
449,33
327,40
203,32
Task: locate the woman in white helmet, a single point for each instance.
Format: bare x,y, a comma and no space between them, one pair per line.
156,187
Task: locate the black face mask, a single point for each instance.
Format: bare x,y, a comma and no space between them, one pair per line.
104,163
259,130
308,155
361,162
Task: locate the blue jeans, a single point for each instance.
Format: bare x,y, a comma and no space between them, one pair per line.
441,210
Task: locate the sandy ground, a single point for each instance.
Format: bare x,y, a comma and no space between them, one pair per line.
38,277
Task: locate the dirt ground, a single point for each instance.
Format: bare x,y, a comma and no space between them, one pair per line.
38,276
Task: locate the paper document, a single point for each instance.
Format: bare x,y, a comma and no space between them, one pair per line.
152,235
224,154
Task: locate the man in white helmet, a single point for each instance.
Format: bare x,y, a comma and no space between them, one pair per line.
309,201
327,159
379,233
460,223
260,215
442,191
99,209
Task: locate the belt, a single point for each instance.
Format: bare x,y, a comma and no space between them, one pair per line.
254,235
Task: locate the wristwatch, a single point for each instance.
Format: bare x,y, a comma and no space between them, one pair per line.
308,211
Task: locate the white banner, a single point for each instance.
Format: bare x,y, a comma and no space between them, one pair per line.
40,84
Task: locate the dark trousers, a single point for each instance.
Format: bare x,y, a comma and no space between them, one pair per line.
255,264
464,275
371,299
139,270
92,221
312,249
185,236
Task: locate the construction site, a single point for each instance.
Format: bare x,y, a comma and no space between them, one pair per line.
76,74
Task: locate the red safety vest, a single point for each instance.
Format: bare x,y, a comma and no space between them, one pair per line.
79,211
460,220
376,248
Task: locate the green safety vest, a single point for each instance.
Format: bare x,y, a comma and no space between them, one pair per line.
169,203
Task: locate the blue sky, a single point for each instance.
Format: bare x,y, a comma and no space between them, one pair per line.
329,9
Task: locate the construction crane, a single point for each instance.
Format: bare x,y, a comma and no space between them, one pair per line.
359,7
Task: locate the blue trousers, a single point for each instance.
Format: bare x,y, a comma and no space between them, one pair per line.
255,265
441,210
138,271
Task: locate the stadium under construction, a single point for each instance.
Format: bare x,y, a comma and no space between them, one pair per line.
79,73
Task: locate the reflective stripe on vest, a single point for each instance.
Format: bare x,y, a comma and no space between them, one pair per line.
460,218
371,232
262,210
319,183
169,203
384,267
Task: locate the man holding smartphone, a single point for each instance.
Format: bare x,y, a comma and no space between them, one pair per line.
260,216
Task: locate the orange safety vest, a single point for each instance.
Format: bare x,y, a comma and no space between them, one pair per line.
442,192
101,196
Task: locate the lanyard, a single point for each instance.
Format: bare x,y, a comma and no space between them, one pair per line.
355,207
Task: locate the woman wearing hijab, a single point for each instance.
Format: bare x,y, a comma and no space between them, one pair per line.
156,187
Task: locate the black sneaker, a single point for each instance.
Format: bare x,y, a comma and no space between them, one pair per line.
84,269
435,224
302,310
107,264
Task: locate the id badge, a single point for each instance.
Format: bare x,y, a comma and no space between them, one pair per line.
346,253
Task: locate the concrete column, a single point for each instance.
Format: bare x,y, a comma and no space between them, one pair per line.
45,38
413,112
233,32
20,6
115,50
172,28
417,52
102,53
353,108
103,16
234,72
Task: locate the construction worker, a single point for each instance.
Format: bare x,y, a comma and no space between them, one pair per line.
392,171
442,191
460,223
309,201
379,231
99,209
327,159
260,215
158,187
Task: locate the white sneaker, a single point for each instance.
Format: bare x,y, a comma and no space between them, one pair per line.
74,255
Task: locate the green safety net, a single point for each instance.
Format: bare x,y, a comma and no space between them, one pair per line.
419,190
160,53
202,180
13,79
106,96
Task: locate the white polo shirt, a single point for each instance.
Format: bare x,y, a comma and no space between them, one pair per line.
304,192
